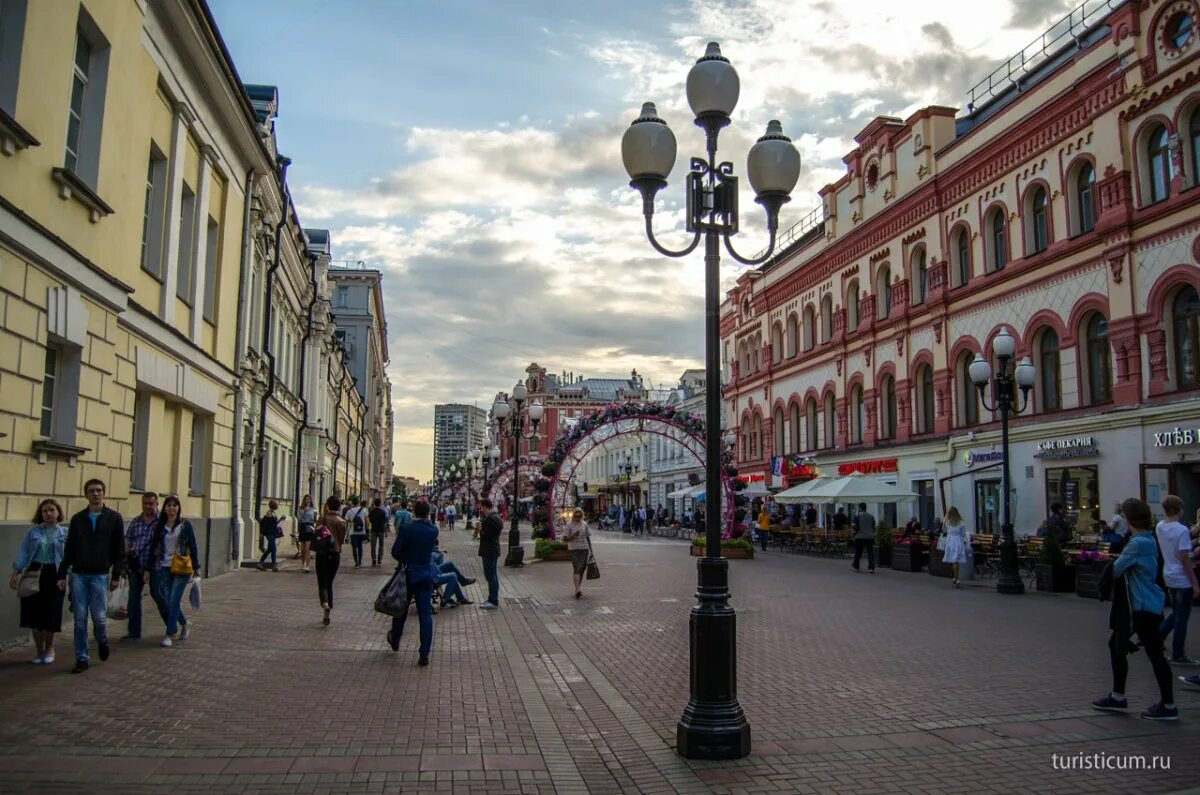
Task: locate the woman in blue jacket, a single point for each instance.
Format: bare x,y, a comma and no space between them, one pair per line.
173,535
41,553
1137,607
413,548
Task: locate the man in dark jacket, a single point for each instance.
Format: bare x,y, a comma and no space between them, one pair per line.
95,545
379,528
489,550
413,549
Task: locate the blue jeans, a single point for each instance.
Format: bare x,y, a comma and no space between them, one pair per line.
136,585
422,594
356,542
450,587
270,551
492,575
1181,610
170,588
89,594
450,567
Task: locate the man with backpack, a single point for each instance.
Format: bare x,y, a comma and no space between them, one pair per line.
357,519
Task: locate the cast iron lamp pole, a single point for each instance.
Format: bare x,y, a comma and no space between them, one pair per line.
1004,400
713,725
512,426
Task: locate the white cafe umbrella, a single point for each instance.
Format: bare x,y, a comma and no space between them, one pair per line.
858,487
800,493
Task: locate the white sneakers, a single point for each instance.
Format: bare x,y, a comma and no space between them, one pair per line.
167,641
488,606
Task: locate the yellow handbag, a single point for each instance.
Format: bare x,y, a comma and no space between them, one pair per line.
181,565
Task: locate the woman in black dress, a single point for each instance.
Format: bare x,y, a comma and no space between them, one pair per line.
41,554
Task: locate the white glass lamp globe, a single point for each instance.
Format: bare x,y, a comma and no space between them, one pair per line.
520,392
648,146
501,409
1026,373
980,370
1004,345
536,410
773,164
712,84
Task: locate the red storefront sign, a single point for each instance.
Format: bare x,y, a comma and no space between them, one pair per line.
755,478
876,467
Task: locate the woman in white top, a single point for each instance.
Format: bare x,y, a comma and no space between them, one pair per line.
579,542
954,541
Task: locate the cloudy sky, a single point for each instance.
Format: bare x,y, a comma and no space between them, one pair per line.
470,150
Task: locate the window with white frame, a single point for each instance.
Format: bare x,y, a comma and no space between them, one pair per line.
152,213
198,458
49,390
185,286
212,266
141,439
12,33
85,110
60,391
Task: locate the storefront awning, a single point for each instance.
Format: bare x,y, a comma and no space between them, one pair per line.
690,491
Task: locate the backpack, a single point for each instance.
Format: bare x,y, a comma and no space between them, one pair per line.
325,543
359,527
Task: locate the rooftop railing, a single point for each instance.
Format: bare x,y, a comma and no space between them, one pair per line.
1064,32
797,230
351,265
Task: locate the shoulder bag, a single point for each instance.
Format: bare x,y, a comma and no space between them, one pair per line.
181,565
393,597
593,568
29,584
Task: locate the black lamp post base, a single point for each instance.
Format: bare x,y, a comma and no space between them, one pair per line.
713,731
1010,585
1010,581
515,557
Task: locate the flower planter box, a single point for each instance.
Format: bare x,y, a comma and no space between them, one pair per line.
558,554
732,553
1087,577
883,556
1055,579
907,557
938,568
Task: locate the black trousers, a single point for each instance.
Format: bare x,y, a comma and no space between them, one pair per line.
1146,626
327,569
356,543
859,545
376,548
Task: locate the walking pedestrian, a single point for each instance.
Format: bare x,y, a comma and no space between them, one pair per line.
954,541
764,526
379,530
413,549
308,530
489,550
38,559
1175,543
1137,607
94,556
579,543
327,548
357,519
269,532
402,517
137,545
864,537
175,556
451,515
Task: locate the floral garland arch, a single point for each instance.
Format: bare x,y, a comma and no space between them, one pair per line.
500,477
552,497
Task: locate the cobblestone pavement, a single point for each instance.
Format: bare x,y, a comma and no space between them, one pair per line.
852,683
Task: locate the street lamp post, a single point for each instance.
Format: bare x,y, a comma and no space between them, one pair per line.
713,725
1004,400
511,414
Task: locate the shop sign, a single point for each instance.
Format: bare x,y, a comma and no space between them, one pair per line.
1177,437
1075,447
973,457
876,467
792,466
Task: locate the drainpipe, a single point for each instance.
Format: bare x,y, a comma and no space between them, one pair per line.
312,273
239,401
337,416
262,412
362,444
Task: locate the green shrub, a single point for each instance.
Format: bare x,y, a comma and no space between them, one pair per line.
543,547
729,543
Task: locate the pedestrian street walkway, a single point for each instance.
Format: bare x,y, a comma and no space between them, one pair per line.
852,683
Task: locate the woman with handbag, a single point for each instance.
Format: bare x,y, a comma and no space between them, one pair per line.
579,544
331,534
308,529
35,579
176,557
953,542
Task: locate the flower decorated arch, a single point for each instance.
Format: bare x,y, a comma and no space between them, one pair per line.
554,488
500,477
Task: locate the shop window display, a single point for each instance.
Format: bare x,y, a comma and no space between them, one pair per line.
1077,490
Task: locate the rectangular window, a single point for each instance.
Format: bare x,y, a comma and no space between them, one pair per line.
85,110
212,265
141,439
1077,490
49,386
342,294
185,286
12,32
198,459
153,212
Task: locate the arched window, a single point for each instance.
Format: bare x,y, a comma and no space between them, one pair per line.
887,408
968,396
777,432
810,423
756,438
1099,361
745,439
1049,396
756,348
962,250
998,239
883,292
1194,136
828,421
827,318
1159,159
776,343
793,334
857,415
852,299
1037,220
810,322
920,276
1085,183
794,428
925,400
1185,319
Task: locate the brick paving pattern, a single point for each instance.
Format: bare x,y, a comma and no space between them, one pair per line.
851,682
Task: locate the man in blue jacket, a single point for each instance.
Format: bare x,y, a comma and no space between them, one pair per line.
1135,573
413,548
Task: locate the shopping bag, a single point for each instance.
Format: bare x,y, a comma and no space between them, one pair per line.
593,569
194,596
118,601
393,597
